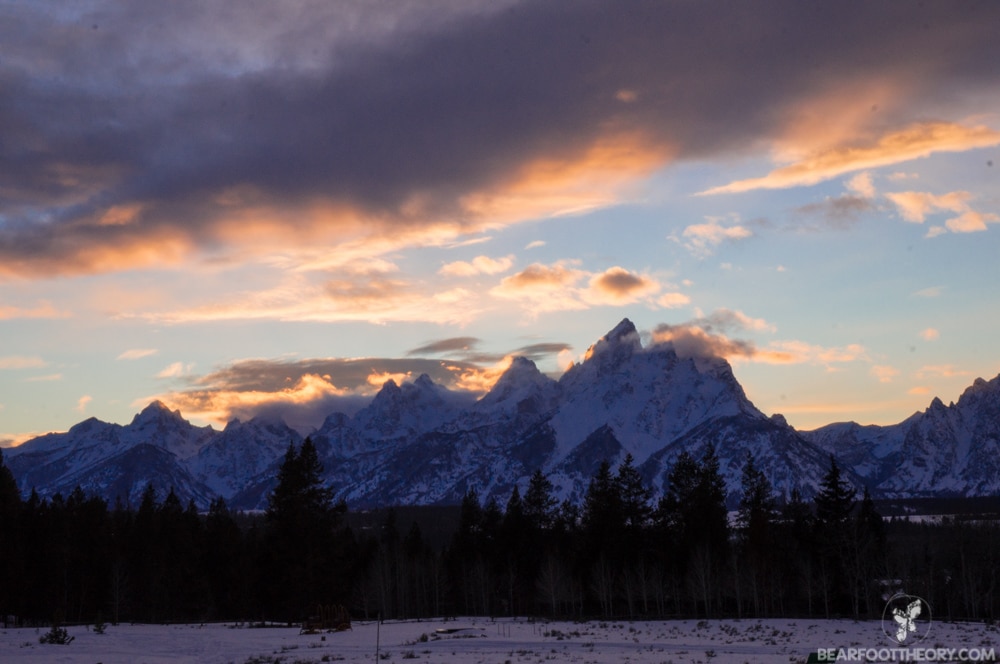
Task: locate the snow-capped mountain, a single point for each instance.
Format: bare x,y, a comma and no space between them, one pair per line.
419,443
945,450
113,460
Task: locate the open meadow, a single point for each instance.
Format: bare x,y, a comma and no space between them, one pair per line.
485,641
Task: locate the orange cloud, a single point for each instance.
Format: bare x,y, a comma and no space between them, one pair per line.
42,310
916,205
673,300
702,239
480,381
137,353
371,298
21,362
940,371
617,285
884,373
220,406
380,378
81,403
579,180
478,265
915,141
930,334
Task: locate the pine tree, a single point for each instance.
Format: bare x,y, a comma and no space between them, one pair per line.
602,505
757,502
835,499
539,504
834,503
10,559
634,494
303,548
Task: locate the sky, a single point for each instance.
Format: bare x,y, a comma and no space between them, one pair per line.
258,208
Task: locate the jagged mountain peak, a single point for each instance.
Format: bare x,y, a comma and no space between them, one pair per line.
521,380
623,331
157,411
620,342
981,388
418,442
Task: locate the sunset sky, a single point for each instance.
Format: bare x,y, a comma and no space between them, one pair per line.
272,207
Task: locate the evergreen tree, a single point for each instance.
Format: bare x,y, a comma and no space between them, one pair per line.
539,504
602,505
10,559
834,504
303,549
635,496
757,502
835,499
754,518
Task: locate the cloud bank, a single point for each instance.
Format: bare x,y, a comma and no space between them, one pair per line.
182,131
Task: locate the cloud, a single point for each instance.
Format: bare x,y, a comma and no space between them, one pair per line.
451,345
709,336
838,212
480,380
618,286
970,221
560,287
673,300
41,310
176,370
336,126
940,371
544,287
915,141
861,185
137,353
302,392
479,265
931,291
81,403
930,334
919,390
884,373
47,378
535,244
702,239
371,298
21,362
916,206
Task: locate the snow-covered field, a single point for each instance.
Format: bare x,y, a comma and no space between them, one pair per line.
480,640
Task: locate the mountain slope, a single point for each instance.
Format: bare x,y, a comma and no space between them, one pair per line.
419,443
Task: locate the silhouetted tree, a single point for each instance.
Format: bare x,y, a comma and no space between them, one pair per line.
302,559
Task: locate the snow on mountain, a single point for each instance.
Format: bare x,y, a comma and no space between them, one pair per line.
945,450
419,443
240,451
648,396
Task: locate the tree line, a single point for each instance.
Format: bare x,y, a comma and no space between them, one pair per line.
618,553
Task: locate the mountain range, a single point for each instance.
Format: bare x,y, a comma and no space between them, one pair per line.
420,443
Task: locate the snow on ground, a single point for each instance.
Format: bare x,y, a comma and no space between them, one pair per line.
480,641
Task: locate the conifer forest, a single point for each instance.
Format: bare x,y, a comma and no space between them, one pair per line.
77,559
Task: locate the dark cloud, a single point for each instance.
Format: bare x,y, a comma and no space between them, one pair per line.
452,345
693,340
187,114
464,348
620,282
840,213
351,374
541,350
